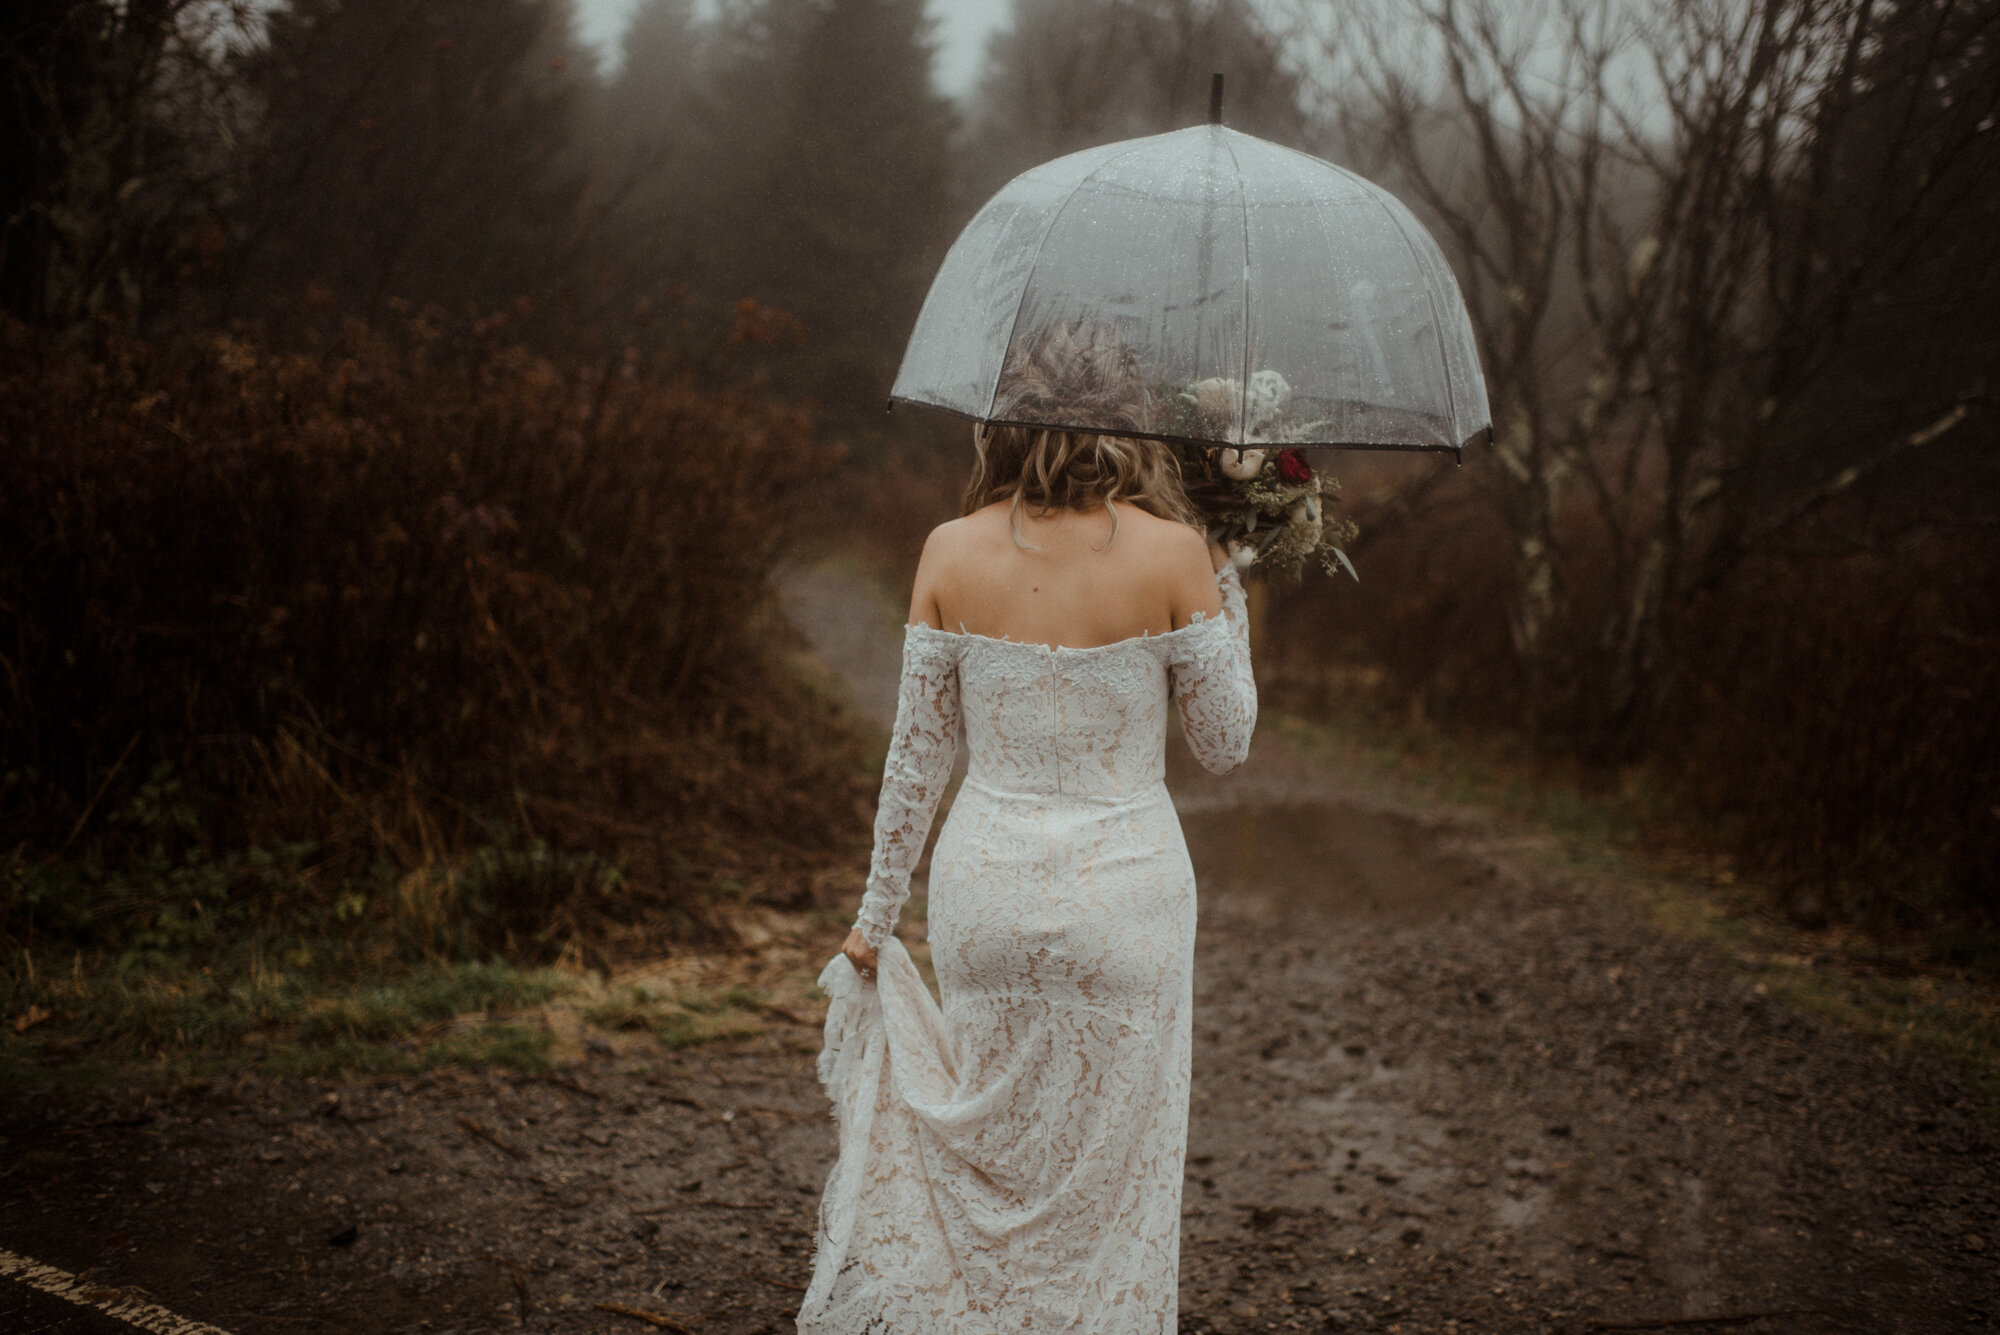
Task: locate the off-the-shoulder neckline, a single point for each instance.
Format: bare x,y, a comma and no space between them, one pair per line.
1195,619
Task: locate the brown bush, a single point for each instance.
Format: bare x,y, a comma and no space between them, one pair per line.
1839,721
900,480
1833,720
404,593
1425,631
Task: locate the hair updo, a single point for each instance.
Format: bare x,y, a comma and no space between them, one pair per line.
1080,372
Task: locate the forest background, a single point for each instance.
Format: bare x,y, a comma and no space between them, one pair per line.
405,412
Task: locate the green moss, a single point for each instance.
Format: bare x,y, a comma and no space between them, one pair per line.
684,1018
517,1047
633,1008
97,1020
684,1028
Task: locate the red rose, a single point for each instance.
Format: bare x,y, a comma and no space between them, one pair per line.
1293,468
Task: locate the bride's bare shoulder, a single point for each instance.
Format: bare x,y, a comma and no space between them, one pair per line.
955,537
1175,557
1169,532
1164,542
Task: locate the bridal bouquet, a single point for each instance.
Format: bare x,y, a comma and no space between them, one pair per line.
1264,502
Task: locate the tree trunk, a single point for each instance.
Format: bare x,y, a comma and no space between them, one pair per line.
1537,478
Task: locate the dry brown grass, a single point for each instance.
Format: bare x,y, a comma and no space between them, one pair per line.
402,595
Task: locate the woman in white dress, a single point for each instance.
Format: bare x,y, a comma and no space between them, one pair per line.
1012,1161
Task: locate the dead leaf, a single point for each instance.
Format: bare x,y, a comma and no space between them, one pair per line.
659,1319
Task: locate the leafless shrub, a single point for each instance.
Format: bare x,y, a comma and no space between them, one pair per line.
407,591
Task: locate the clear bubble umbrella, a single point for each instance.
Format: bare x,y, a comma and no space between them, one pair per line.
1270,298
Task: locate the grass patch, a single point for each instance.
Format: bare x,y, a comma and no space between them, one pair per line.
496,1043
79,1029
1491,776
1930,1013
178,960
177,956
683,1017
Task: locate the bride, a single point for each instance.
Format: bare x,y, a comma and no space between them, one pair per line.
1012,1160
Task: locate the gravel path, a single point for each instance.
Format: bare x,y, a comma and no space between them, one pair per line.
1434,1091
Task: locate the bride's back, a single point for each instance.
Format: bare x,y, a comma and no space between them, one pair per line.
1069,580
1065,539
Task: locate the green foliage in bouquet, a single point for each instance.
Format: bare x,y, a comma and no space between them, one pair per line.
1265,499
1270,503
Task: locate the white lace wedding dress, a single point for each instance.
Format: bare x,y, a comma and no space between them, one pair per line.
1012,1161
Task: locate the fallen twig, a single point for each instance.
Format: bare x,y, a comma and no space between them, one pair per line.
1719,1319
788,1014
713,1205
567,1083
489,1137
795,1288
139,1118
651,1318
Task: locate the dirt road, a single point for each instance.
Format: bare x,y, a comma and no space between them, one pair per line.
1434,1091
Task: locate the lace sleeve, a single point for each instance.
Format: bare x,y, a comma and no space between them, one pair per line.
1213,686
921,750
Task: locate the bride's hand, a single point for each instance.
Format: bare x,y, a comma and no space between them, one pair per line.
1217,557
860,954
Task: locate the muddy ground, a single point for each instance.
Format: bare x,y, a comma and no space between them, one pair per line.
1435,1090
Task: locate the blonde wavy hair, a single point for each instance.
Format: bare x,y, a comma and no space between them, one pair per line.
1080,372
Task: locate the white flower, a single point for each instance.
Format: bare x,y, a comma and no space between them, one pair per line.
1241,465
1243,557
1214,398
1269,393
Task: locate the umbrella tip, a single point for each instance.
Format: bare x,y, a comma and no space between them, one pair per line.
1215,99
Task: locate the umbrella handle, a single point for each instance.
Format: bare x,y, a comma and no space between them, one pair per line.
1215,99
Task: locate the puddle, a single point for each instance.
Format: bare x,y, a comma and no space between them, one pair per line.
1514,1211
1328,859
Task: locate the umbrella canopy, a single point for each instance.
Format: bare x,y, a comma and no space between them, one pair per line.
1268,297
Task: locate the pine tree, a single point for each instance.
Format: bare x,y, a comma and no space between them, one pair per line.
831,185
1068,74
658,161
111,126
413,148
